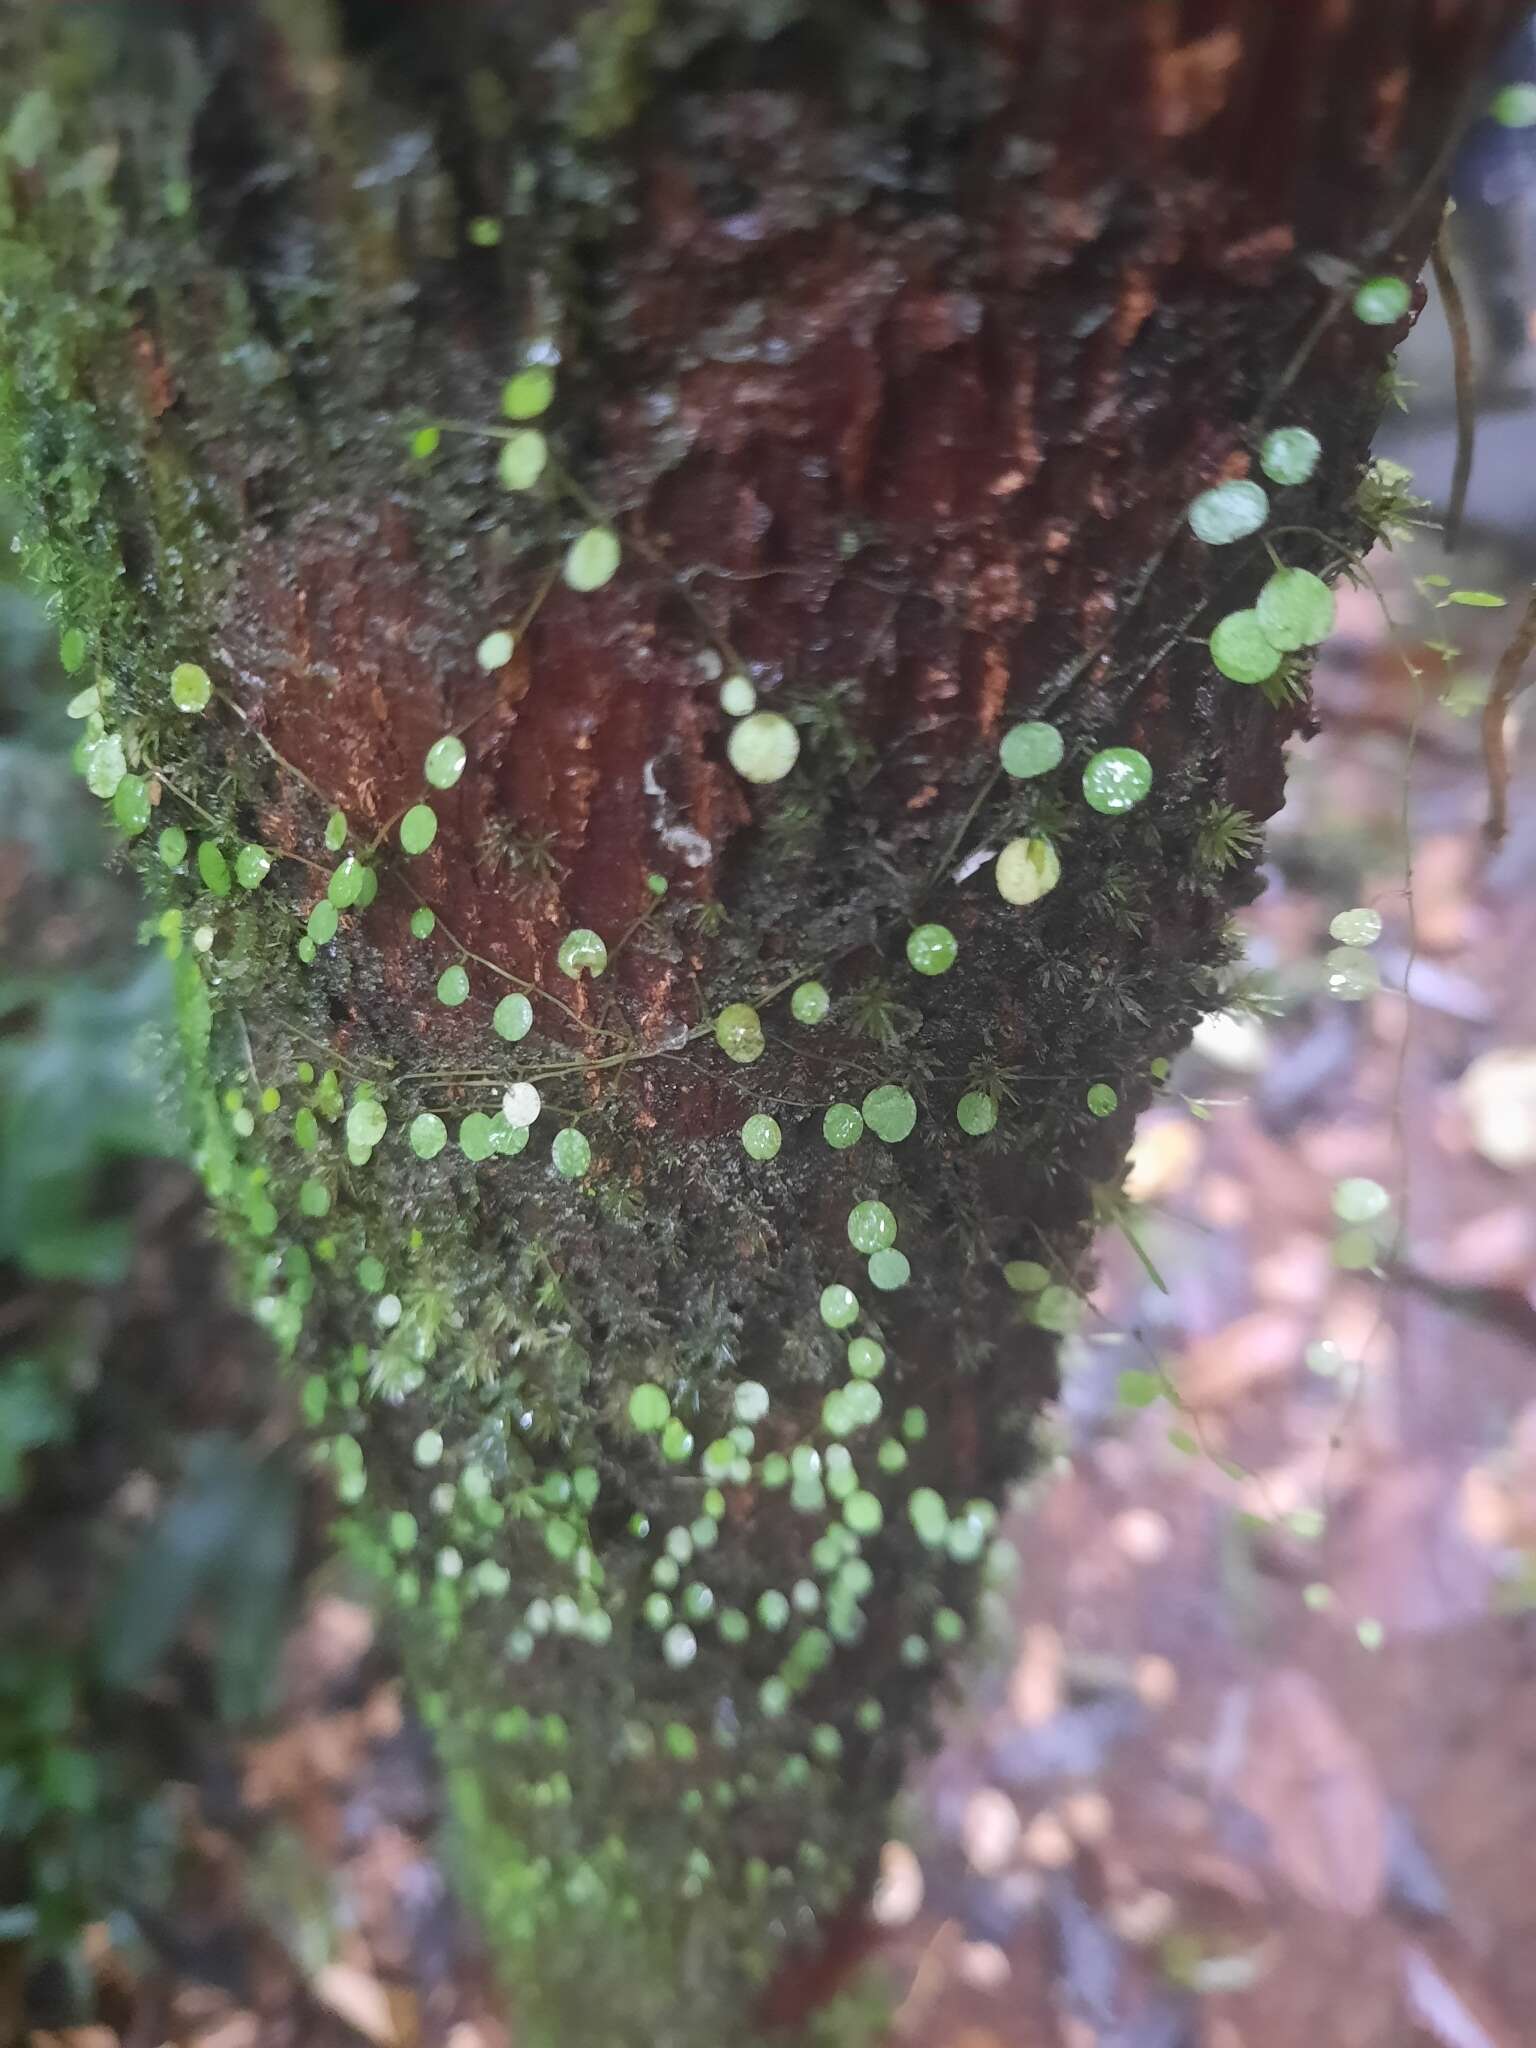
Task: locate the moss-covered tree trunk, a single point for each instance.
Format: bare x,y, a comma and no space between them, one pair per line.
864,356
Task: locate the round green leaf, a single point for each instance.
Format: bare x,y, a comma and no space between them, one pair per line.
131,806
346,883
528,394
418,828
1360,1201
214,869
1289,454
571,1153
496,649
889,1270
1026,870
367,1121
1229,512
1350,974
513,1018
976,1114
592,559
1514,106
1031,749
428,1134
810,1003
1242,649
1382,301
761,1137
1117,779
649,1409
475,1136
842,1126
582,949
252,866
764,747
839,1307
890,1112
523,460
106,763
1356,927
739,1033
445,761
190,687
1295,609
932,949
871,1226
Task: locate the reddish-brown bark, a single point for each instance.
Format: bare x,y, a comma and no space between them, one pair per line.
894,341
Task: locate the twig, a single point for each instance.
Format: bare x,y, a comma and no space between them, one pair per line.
1466,383
1506,685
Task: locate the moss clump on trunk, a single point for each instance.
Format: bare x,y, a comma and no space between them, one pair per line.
890,368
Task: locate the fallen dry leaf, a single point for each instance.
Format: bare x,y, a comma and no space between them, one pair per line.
983,1965
1250,1353
1164,1157
1497,1094
1443,867
1315,1789
1401,1554
899,1892
991,1830
361,2000
1034,1691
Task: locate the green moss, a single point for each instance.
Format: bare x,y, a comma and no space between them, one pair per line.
613,44
481,1320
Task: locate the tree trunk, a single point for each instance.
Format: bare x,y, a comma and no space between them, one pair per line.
892,342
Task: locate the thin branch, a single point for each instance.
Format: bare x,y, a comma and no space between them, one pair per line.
1506,685
1466,384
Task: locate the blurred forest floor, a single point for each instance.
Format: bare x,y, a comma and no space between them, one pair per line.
1251,1761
